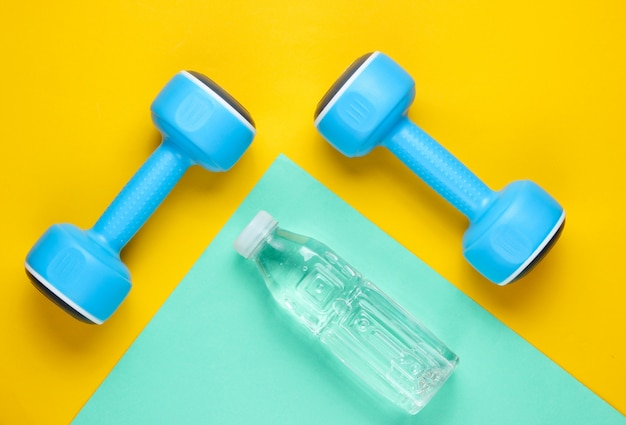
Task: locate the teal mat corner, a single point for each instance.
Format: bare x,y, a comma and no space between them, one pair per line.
219,352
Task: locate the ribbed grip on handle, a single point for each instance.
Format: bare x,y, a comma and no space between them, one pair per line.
438,168
141,196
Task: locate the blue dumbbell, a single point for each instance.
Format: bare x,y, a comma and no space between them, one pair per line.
510,230
81,271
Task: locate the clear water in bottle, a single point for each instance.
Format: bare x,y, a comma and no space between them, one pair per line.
372,335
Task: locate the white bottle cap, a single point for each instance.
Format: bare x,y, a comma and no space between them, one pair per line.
253,234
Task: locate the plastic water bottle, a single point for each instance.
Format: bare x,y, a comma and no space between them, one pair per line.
372,335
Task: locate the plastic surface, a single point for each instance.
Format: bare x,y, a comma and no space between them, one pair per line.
204,126
140,197
367,107
375,338
81,271
439,169
510,230
85,276
517,228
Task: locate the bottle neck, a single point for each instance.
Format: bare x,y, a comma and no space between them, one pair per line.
254,234
278,239
264,242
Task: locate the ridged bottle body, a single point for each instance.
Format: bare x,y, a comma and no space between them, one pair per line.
372,335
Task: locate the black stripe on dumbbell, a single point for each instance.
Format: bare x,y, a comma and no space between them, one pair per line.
224,95
343,78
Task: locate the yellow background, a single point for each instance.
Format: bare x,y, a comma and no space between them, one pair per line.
515,89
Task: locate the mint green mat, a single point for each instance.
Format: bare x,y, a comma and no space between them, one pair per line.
219,351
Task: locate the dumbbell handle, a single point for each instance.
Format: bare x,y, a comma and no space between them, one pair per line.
140,197
438,168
